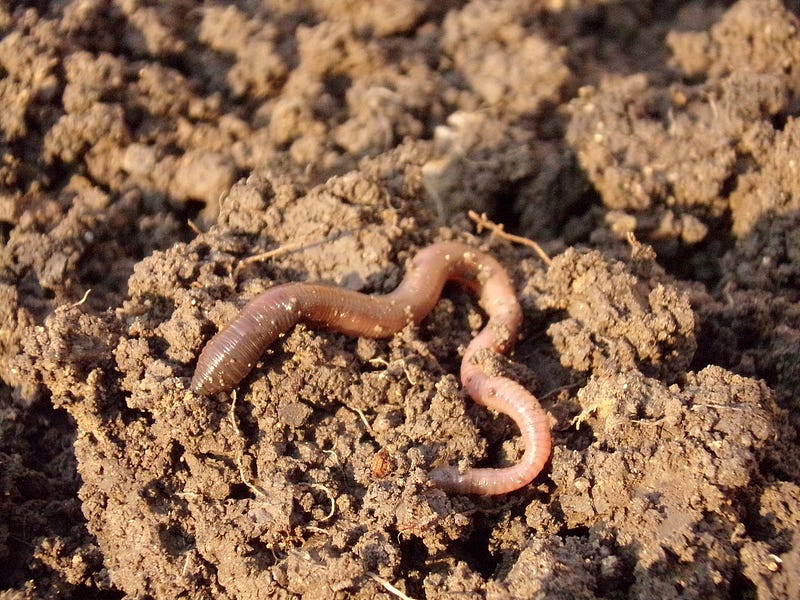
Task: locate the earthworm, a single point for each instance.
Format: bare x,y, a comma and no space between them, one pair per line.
230,354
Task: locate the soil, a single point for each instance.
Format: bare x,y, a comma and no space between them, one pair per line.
164,162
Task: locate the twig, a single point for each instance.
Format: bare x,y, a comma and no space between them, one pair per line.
193,226
328,493
388,586
284,249
233,414
82,300
361,414
385,363
483,222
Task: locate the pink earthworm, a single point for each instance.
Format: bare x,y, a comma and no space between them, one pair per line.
230,354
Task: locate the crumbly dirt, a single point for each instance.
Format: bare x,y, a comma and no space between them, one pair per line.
163,162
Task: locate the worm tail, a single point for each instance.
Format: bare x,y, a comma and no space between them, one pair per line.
508,397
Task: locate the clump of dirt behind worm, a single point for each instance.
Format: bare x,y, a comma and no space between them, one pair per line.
618,317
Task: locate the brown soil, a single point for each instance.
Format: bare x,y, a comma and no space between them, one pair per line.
153,151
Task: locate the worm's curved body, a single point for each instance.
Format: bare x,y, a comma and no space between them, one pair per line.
230,355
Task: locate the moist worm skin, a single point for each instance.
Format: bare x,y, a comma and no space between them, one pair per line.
230,355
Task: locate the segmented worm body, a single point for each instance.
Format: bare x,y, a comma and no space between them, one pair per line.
230,355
